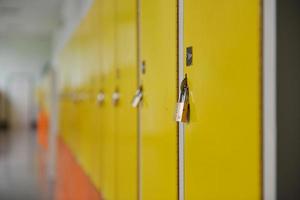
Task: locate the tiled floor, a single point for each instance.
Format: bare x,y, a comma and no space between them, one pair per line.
22,167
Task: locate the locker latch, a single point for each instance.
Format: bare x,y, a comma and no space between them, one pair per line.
137,97
100,98
183,105
115,97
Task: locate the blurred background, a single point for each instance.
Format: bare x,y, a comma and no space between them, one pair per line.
149,99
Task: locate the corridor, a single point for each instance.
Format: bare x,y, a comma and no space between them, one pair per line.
23,171
149,100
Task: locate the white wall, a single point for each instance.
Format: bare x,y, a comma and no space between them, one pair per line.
72,11
22,56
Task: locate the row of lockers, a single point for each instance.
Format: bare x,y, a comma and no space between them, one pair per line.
126,48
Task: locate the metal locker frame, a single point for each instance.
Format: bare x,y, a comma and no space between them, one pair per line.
269,99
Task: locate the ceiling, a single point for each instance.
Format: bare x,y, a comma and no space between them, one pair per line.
37,17
33,17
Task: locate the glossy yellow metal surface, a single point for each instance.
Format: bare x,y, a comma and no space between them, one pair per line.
79,66
108,68
100,111
90,49
158,126
126,115
222,144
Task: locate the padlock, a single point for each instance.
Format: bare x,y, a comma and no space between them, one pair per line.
137,98
183,105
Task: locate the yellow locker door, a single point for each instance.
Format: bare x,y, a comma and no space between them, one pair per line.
101,98
158,128
126,116
75,130
109,69
95,128
223,138
65,114
80,105
88,43
84,68
101,127
108,136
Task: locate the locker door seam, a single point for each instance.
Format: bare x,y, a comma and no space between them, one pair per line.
180,73
269,100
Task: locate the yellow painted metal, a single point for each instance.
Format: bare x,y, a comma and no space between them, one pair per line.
80,68
88,40
109,74
100,168
126,116
69,80
158,126
89,44
222,146
95,130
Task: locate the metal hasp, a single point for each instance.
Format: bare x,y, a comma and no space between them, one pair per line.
183,105
137,97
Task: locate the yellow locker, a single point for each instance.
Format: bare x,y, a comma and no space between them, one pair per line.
69,113
80,105
222,140
158,128
95,116
102,100
89,44
63,103
126,116
94,44
109,71
108,137
79,61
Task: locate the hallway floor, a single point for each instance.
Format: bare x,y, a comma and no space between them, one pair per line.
23,171
22,167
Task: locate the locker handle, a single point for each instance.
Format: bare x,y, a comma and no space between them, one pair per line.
100,98
138,97
115,97
183,105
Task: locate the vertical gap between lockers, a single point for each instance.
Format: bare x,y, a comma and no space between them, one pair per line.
138,53
180,73
269,100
